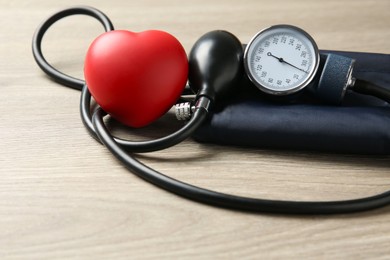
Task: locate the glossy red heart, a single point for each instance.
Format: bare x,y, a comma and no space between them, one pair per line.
136,77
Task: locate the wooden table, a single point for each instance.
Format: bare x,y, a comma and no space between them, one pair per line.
62,195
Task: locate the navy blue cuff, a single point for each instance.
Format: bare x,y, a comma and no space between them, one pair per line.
360,125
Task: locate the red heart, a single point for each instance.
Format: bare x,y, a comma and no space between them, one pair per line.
136,77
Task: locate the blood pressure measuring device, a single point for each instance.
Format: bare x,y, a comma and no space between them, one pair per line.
280,61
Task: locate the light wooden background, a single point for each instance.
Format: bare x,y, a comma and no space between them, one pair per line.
62,195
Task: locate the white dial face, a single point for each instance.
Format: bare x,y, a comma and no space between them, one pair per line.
281,60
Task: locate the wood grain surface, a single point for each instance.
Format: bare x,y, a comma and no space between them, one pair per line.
63,196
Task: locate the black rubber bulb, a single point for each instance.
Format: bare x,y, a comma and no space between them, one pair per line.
215,64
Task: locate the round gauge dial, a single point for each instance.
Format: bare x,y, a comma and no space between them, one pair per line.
281,59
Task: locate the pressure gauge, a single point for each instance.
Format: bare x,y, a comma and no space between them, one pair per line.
281,60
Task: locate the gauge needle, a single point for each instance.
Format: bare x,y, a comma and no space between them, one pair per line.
282,60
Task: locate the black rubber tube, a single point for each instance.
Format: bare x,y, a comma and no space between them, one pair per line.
56,75
226,200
